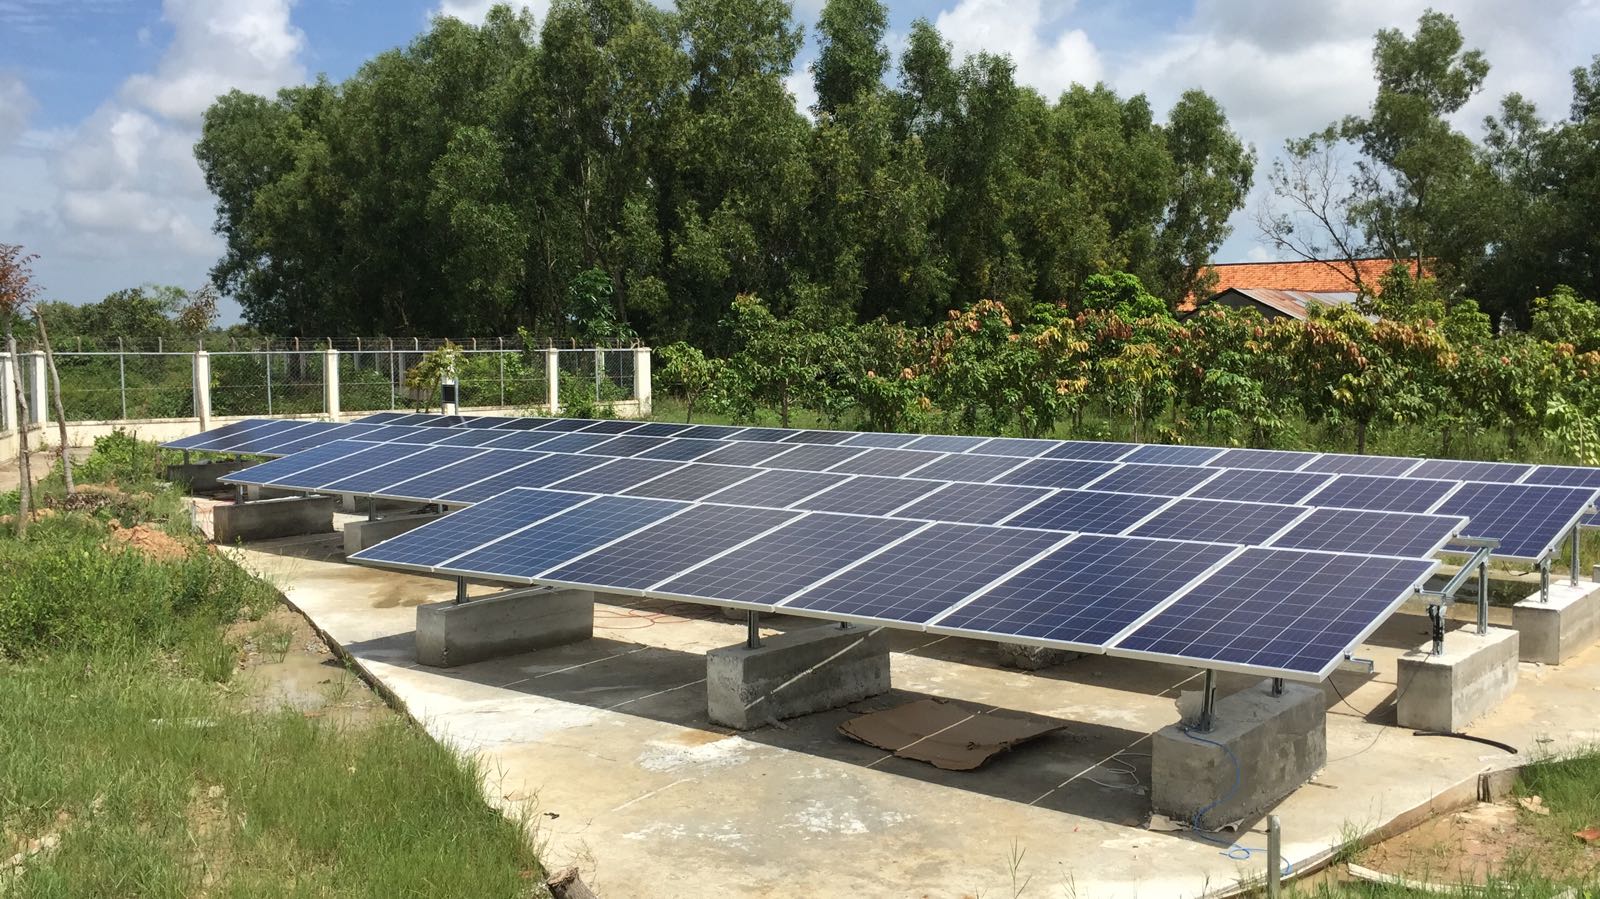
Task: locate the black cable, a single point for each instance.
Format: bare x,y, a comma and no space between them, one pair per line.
1461,736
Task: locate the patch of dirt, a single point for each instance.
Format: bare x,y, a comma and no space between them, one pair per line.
156,544
284,663
1469,846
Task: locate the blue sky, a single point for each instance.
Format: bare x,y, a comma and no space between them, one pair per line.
100,99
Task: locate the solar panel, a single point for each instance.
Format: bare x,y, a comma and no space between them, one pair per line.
416,418
542,472
429,487
966,467
1091,450
286,443
611,426
1022,447
218,433
886,441
572,443
375,478
368,456
1458,470
669,547
521,424
973,503
1354,491
812,457
1278,612
267,433
565,424
1156,480
794,556
924,574
525,554
616,476
887,462
396,434
739,453
264,473
1564,476
470,437
946,443
710,432
1084,593
484,422
692,481
819,437
682,449
1094,511
1244,485
1263,459
1341,463
520,440
867,495
1528,519
379,418
626,445
761,434
661,429
1174,455
433,435
1219,521
1056,473
776,488
437,542
1376,533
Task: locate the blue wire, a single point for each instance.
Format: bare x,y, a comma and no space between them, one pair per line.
1233,851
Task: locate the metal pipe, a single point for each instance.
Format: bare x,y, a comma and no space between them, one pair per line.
1544,579
1274,858
1483,598
1277,686
1208,703
461,590
1576,564
372,508
238,493
752,638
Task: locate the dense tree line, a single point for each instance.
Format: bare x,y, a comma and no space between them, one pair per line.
651,162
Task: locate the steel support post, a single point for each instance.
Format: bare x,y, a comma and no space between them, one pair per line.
1544,579
1274,858
1208,703
1277,686
461,590
1483,598
1576,563
752,639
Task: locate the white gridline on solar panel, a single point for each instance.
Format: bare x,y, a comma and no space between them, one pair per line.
317,476
966,468
1491,511
464,535
812,457
574,533
1260,587
1389,533
888,462
1154,478
1091,451
973,503
320,455
797,554
1088,511
1346,493
868,490
777,488
540,467
1376,466
1227,515
1100,568
1158,454
616,475
1471,470
384,474
931,568
691,482
435,485
1261,486
1064,473
1282,460
742,453
1022,447
692,536
946,443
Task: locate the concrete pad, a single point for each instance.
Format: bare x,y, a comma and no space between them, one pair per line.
269,518
451,634
201,477
795,674
1447,692
1552,632
1260,749
358,535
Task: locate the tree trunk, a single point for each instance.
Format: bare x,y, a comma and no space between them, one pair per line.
783,405
1361,438
25,490
61,411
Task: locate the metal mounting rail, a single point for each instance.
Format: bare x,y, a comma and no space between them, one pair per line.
1440,599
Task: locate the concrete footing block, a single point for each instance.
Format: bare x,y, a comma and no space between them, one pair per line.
358,535
795,673
269,518
201,477
1448,692
504,624
1552,632
1277,743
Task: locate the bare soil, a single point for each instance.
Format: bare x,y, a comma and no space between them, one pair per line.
284,663
1469,846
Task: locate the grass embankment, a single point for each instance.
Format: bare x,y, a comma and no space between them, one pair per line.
134,763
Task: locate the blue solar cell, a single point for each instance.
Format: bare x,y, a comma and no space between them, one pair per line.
431,486
374,479
692,481
1056,473
924,574
616,476
1263,459
670,547
946,443
307,438
462,531
416,419
1341,463
739,453
264,473
612,426
520,440
1092,511
1091,450
626,445
762,434
1244,485
270,432
885,441
661,429
1219,521
521,424
1279,612
525,554
227,430
819,437
572,443
794,556
1458,470
468,437
567,424
379,418
431,435
482,422
812,457
1377,533
965,467
1564,476
542,472
1354,491
1174,455
776,488
682,449
973,503
866,495
1015,446
1528,519
1155,480
397,434
710,432
887,462
369,456
1086,592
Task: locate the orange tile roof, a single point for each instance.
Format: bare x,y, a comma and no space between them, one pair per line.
1316,276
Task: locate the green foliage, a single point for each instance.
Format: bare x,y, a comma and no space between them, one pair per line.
687,372
124,460
1123,294
425,378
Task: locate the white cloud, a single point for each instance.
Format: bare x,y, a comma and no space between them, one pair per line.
1049,63
475,11
803,87
16,106
218,45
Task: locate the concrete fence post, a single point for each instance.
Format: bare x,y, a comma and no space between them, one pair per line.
552,380
38,389
330,382
202,388
8,402
641,380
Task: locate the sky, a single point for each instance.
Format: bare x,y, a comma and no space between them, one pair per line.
101,100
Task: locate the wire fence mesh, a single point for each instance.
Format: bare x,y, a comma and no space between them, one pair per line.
106,386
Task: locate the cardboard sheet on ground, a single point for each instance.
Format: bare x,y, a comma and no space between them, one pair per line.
945,734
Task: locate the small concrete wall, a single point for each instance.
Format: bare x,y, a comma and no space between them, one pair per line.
201,477
795,673
1448,692
358,535
269,518
1279,742
450,634
1552,632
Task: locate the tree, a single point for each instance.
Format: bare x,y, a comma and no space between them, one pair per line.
17,290
1213,173
687,370
851,58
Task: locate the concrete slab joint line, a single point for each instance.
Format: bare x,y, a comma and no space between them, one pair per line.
450,634
795,673
1448,692
1553,632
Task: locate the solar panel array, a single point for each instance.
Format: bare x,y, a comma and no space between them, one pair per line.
1109,488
